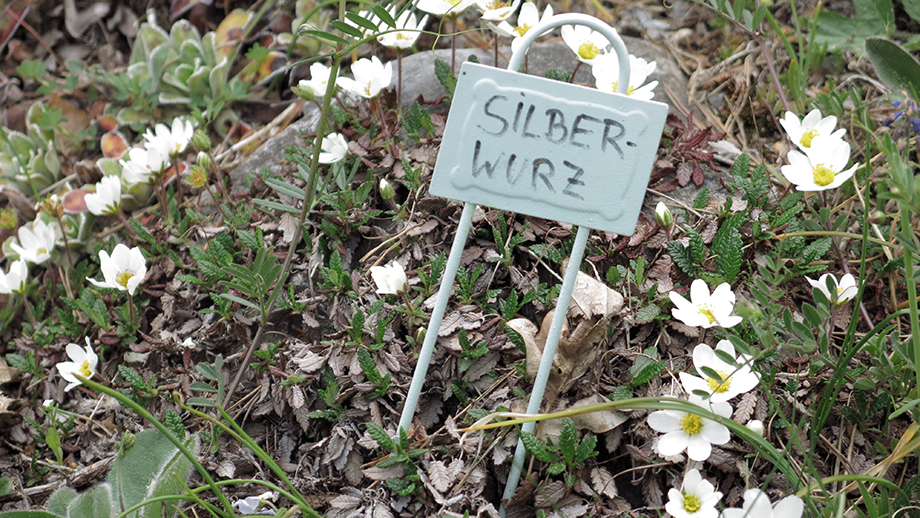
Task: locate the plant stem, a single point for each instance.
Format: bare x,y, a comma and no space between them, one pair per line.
911,289
310,192
141,411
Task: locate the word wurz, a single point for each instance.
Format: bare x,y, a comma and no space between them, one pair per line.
525,122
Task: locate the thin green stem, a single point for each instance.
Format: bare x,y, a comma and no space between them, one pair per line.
141,411
906,230
834,233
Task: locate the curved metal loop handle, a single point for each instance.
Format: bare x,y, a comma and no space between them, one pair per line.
577,19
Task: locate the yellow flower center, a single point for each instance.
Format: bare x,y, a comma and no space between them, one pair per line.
588,50
496,4
123,277
719,387
823,175
807,136
691,424
41,251
522,30
84,369
691,503
401,36
706,311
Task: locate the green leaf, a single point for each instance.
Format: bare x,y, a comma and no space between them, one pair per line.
251,239
727,245
202,402
6,486
133,377
381,436
173,421
535,446
912,7
811,315
556,468
586,449
362,21
647,313
613,275
153,466
285,188
273,205
384,16
568,437
347,29
873,18
31,68
697,248
702,199
442,72
895,66
59,500
681,256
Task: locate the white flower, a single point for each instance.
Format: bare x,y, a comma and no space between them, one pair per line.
802,132
251,504
390,279
387,192
124,270
735,380
82,362
756,426
188,343
496,10
371,76
697,498
585,42
606,70
663,215
107,198
333,148
174,141
142,164
48,403
15,280
686,431
444,7
35,243
319,79
705,310
407,30
528,17
845,290
757,505
822,167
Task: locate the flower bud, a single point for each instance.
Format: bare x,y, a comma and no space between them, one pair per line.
755,426
204,160
198,177
201,140
386,190
663,215
303,91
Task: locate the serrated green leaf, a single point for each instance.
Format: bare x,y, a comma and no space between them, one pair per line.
442,72
568,438
727,245
680,254
133,377
381,437
535,446
586,449
173,421
697,248
647,313
555,468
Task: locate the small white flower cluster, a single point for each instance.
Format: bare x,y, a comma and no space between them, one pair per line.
824,154
723,375
143,165
697,498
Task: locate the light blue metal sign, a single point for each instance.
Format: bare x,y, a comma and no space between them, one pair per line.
549,149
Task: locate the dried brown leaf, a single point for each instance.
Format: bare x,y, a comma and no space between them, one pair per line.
684,172
651,489
550,495
603,482
295,397
375,473
441,476
745,408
